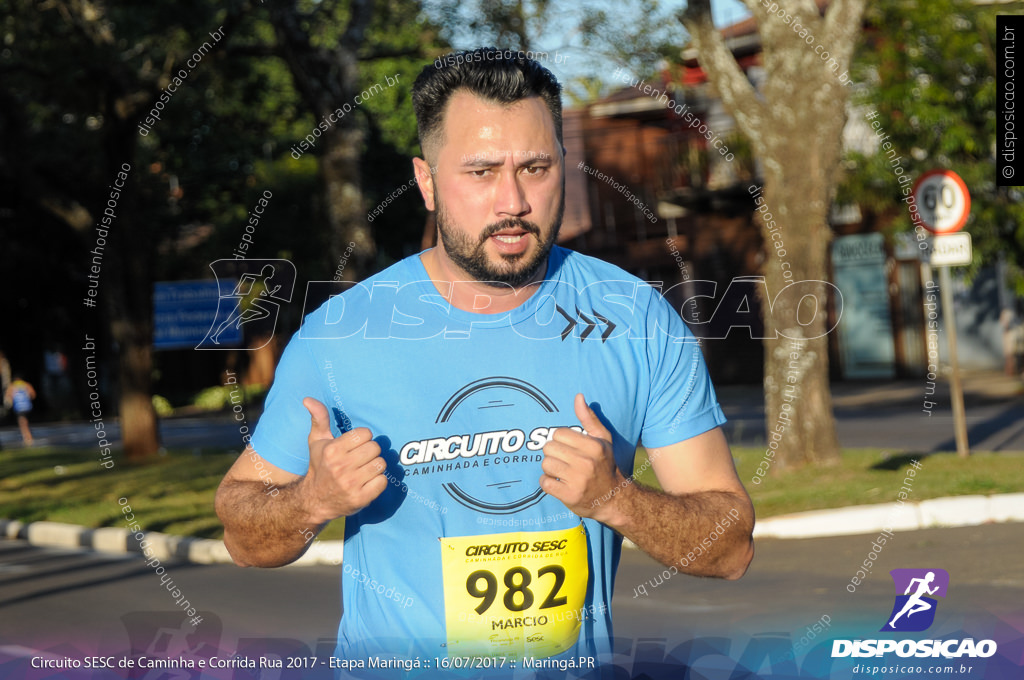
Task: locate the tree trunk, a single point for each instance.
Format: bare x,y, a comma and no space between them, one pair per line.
329,80
346,214
135,364
130,309
798,400
263,353
795,126
132,251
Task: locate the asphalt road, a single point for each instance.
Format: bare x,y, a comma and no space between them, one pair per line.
65,601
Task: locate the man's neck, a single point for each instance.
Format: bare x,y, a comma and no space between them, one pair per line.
467,294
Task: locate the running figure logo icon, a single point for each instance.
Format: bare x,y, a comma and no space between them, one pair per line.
914,609
251,293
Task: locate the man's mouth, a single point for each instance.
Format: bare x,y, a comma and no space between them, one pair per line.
505,237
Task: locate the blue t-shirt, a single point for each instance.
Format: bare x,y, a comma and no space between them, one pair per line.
21,400
461,404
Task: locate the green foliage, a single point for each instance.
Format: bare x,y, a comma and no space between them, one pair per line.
75,78
225,139
162,407
644,43
506,24
744,163
864,477
929,71
402,41
582,90
172,494
221,397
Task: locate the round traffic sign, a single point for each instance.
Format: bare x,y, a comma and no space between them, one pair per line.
943,201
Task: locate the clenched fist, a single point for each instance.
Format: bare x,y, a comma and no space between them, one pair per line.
345,473
580,468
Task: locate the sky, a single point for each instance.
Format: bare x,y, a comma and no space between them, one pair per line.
728,12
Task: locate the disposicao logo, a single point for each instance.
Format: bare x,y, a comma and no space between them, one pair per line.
912,612
914,609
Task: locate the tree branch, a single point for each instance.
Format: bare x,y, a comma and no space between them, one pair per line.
723,72
87,18
392,53
355,32
67,210
294,47
35,187
842,16
262,51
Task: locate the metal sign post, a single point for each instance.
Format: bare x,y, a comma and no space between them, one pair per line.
944,204
956,391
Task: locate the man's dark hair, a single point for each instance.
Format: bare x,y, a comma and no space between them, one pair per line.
489,73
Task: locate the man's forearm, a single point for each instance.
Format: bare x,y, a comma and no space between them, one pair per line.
262,530
704,534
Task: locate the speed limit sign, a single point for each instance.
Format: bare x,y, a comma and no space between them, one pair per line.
943,201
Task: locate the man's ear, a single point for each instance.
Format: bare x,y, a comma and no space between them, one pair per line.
425,180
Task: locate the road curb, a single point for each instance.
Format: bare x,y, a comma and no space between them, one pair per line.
953,511
116,540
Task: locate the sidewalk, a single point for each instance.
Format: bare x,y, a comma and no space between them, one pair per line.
887,414
980,387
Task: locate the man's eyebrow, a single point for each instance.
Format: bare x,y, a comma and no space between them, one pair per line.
483,160
490,160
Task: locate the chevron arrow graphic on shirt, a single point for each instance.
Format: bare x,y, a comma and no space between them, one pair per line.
572,322
609,327
589,324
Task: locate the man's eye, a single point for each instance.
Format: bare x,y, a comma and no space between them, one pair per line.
480,173
535,170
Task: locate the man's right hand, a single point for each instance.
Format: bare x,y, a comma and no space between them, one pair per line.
345,473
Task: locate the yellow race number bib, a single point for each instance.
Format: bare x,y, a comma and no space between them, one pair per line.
515,595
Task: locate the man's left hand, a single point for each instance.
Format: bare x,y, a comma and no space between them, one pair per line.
579,469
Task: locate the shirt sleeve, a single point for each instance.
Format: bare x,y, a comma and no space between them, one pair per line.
682,402
281,435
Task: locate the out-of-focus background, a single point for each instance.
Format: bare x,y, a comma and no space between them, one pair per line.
727,150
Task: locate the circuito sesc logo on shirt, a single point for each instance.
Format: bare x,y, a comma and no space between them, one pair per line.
512,421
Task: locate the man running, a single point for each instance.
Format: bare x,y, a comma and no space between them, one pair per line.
472,413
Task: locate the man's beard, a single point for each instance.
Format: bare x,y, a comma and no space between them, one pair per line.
512,270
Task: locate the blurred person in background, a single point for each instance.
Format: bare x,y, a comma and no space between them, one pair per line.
19,396
5,380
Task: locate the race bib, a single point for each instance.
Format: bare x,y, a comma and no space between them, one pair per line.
514,595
